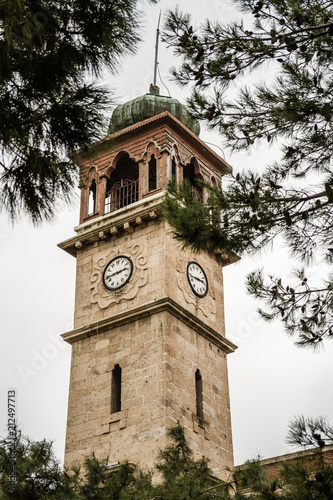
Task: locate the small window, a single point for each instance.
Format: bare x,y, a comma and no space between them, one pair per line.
152,173
116,390
194,179
174,170
92,198
198,393
107,206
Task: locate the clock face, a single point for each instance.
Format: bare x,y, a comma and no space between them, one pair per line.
117,273
197,279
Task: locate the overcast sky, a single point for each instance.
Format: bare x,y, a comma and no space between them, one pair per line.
270,380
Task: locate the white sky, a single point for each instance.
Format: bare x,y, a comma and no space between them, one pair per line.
270,380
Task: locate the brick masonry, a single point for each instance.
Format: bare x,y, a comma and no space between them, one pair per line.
309,457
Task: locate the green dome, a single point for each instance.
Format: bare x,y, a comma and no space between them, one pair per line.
149,105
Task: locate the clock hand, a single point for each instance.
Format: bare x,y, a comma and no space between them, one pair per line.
198,279
117,272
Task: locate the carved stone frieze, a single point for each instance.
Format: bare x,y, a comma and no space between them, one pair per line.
105,298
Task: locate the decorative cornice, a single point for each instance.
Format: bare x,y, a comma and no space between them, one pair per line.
123,219
167,118
148,309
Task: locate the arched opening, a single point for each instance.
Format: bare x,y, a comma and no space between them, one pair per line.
122,187
152,179
116,390
92,198
198,394
191,173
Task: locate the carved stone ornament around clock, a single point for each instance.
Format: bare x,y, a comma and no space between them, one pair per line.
205,304
106,298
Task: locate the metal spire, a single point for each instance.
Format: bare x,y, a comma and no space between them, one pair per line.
156,48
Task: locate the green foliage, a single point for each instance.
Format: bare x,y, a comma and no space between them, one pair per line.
308,478
182,476
47,49
293,197
310,432
100,482
37,474
305,310
251,482
29,470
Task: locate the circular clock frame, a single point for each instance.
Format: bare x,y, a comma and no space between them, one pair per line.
118,286
196,292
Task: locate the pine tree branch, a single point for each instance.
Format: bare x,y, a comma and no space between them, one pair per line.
221,485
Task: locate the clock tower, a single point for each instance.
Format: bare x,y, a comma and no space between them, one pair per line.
148,345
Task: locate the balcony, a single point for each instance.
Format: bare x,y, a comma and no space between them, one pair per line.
123,193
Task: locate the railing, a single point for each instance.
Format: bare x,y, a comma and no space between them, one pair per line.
123,193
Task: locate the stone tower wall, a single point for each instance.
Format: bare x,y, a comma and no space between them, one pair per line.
155,328
159,355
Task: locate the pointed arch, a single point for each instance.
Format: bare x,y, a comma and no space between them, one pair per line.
122,182
151,149
151,168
